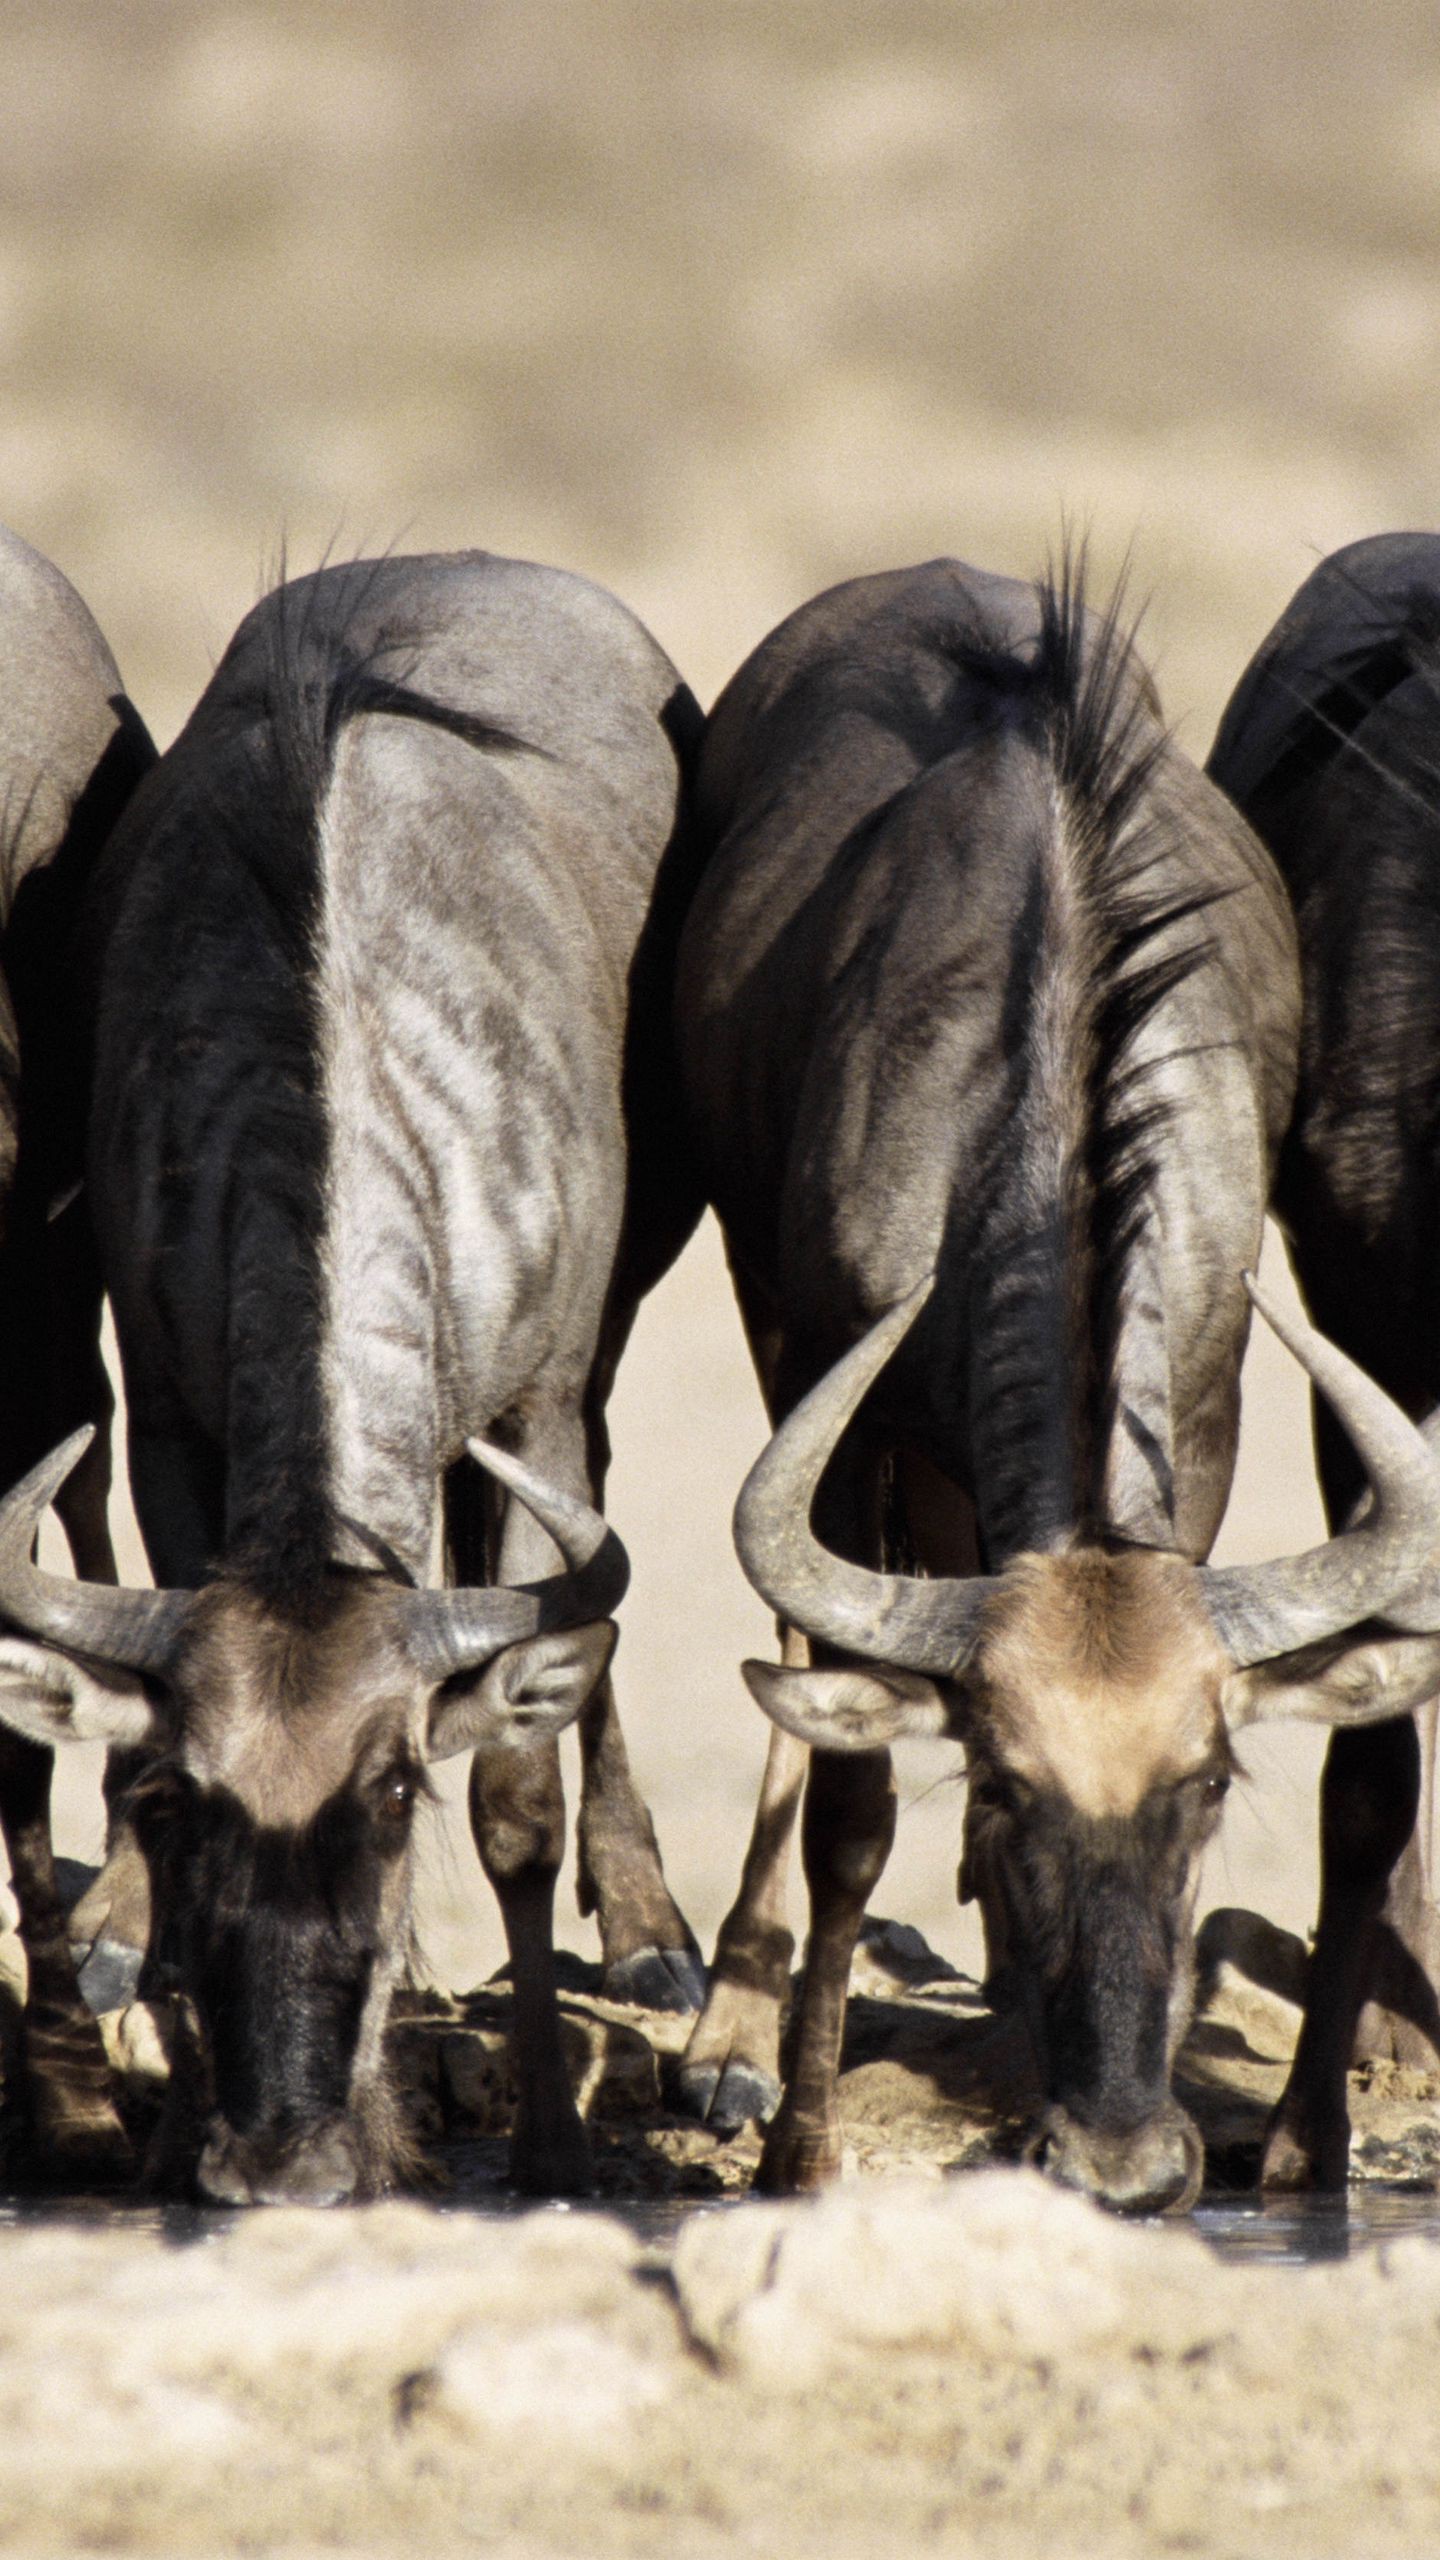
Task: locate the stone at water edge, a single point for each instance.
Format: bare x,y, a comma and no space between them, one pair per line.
1000,2264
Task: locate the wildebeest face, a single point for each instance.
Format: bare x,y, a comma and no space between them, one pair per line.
1099,1765
284,1761
1099,1760
276,1826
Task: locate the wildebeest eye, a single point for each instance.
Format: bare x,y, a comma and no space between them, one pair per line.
1208,1787
396,1796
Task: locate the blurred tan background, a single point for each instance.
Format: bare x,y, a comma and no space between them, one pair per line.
719,304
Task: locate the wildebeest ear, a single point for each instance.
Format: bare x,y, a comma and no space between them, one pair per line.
1337,1682
51,1699
845,1708
527,1693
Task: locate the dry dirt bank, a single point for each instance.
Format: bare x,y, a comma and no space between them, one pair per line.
946,2357
982,2364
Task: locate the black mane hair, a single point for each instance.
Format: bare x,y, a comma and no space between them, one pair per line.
1083,696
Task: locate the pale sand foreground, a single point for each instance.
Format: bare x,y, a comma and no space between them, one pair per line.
981,2366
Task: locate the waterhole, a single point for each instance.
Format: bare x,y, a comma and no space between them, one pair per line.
1284,2231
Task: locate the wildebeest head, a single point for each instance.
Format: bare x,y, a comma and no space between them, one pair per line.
284,1754
1096,1690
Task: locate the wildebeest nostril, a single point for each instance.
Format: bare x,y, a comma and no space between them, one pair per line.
1158,2167
320,2167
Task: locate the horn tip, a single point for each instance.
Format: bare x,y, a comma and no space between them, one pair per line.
1267,1305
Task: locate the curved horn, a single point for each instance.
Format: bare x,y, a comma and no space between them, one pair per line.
884,1617
1262,1611
450,1631
134,1630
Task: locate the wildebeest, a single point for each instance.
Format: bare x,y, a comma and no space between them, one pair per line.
983,979
1331,746
72,747
384,1151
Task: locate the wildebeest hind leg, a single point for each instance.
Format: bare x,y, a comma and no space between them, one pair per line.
848,1827
1368,1800
650,1955
517,1813
731,2072
76,2135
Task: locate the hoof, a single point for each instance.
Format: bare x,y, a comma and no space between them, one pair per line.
1291,2166
109,1976
728,2096
665,1978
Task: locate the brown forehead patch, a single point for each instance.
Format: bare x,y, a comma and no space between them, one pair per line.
277,1712
1099,1675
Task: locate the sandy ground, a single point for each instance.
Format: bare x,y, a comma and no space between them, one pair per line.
718,306
960,2363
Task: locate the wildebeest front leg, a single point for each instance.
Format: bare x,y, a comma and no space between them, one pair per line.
1368,1800
76,2132
81,1388
77,2136
517,1813
650,1955
1400,2018
178,1486
848,1826
731,2072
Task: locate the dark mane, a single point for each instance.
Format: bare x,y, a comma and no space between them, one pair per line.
1110,936
1355,634
242,792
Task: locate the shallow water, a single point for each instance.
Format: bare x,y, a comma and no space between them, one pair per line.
1300,2231
1292,2231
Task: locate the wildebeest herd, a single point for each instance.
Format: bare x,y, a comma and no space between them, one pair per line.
377,1048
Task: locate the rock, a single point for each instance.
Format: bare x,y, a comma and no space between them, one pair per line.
477,2092
890,1955
73,1877
558,2381
621,2075
139,2040
613,2067
998,2264
109,1974
1269,1959
14,1972
1250,1986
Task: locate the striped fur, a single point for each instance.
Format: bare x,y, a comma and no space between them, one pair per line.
1062,1051
983,980
373,1108
383,1155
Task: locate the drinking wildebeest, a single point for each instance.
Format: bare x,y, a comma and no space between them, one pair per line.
384,1153
72,748
983,979
1331,746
